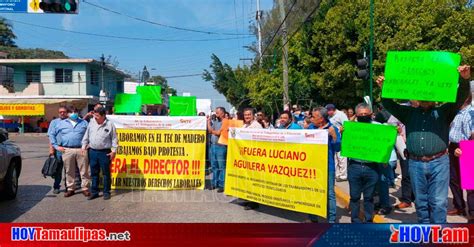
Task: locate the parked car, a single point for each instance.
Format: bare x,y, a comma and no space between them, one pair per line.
10,166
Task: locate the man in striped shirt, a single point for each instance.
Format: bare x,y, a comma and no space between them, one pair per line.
427,142
461,129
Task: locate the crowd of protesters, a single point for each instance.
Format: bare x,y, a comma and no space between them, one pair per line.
426,150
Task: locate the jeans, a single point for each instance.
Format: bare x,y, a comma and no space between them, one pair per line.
218,161
331,200
362,179
383,184
99,160
430,182
59,177
391,174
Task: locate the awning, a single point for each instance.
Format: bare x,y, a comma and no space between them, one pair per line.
43,99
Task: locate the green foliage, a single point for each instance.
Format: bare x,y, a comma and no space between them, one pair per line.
17,53
323,54
6,34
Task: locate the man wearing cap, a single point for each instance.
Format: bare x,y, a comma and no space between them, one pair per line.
337,119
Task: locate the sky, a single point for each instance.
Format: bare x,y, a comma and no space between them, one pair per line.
161,58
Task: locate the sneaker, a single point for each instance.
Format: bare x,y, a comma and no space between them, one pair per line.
220,190
106,196
402,205
56,191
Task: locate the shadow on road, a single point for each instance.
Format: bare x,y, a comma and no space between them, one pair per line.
28,196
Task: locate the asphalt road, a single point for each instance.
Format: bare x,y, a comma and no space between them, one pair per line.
35,201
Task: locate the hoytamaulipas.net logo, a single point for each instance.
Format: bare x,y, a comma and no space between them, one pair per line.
73,234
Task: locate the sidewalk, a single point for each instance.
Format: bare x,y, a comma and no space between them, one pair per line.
407,215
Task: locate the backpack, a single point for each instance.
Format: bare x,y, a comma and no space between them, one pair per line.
51,167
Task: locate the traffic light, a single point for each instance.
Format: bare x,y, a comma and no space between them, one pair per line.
363,72
59,6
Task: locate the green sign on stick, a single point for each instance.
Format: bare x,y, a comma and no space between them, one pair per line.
183,106
127,103
421,75
151,95
369,142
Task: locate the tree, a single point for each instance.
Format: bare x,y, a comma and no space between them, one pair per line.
6,34
224,80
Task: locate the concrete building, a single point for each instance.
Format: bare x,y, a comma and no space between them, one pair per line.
55,82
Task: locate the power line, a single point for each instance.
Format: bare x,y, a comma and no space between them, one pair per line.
279,27
125,37
180,76
161,24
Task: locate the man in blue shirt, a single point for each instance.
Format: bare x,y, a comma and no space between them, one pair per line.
320,120
69,132
286,121
62,112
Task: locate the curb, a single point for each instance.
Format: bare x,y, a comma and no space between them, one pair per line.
343,198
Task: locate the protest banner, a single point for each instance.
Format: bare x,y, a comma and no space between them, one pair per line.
226,124
22,109
159,153
281,168
421,75
466,162
127,103
183,106
151,95
370,142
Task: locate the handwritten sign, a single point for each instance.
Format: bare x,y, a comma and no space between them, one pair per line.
226,124
421,75
127,103
150,94
183,106
368,142
466,162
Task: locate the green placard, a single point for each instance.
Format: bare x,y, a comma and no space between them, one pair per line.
369,142
127,103
421,75
151,95
183,106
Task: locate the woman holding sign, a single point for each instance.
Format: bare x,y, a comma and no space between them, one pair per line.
470,193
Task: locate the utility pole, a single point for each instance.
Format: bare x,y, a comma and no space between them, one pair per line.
286,98
259,28
371,55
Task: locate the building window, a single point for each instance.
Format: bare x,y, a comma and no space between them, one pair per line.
63,75
94,77
32,76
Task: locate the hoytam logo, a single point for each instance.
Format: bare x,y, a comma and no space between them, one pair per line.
435,234
75,234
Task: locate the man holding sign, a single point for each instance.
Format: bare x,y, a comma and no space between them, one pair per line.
427,142
362,174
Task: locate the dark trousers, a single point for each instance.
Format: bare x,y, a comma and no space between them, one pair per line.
407,192
98,160
59,176
455,178
362,179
